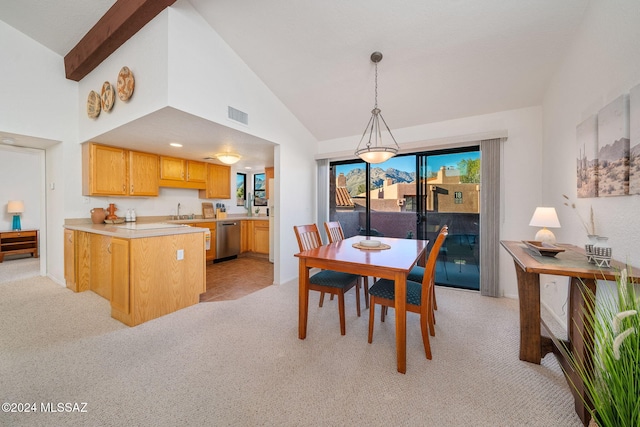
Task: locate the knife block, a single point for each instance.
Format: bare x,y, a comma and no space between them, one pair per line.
220,214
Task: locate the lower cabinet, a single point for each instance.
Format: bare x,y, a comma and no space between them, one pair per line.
120,289
261,237
143,278
76,260
255,236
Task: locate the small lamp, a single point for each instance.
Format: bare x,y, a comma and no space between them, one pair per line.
16,207
545,217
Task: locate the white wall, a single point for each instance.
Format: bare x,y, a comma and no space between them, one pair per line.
603,63
520,169
40,102
21,175
49,106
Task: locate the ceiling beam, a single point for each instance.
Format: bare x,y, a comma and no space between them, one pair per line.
118,25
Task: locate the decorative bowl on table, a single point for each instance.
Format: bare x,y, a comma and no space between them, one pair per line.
114,221
370,243
542,248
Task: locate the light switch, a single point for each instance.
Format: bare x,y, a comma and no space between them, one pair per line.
180,254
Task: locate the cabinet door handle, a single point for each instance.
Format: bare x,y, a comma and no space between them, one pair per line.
109,248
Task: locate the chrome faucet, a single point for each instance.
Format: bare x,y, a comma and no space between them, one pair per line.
178,212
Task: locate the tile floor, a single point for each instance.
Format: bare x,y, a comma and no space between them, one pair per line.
236,278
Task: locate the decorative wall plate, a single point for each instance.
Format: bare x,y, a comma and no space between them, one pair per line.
107,96
93,104
126,84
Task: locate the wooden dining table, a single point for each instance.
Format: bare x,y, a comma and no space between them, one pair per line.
393,263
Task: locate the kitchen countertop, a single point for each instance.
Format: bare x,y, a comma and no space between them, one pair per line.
150,226
136,230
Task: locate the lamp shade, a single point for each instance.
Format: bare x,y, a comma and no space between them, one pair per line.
228,158
545,217
15,206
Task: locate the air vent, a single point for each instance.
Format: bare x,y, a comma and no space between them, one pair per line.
238,116
208,158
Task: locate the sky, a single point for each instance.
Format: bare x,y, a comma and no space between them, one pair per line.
408,163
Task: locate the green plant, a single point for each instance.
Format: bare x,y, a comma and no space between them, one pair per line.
613,383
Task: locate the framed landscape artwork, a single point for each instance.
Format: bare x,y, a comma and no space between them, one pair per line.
587,161
634,147
613,148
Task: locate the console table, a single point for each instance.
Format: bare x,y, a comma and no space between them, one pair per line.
18,242
533,344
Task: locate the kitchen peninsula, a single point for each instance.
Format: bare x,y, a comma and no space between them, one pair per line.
145,270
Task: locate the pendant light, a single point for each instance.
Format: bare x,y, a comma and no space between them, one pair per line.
374,151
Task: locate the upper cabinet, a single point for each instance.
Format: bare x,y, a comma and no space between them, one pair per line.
143,174
182,173
114,171
218,184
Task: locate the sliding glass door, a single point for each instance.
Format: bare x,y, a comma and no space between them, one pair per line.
413,196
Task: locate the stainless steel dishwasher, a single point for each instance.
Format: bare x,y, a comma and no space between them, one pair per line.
227,240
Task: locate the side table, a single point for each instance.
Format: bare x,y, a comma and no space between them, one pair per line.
18,242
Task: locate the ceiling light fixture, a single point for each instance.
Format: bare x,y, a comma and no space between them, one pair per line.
228,158
175,144
375,151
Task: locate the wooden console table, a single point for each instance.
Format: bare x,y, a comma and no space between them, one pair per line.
18,242
533,344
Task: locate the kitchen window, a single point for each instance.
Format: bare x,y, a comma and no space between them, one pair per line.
259,189
241,185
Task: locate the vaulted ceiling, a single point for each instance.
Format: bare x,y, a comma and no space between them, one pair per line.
442,59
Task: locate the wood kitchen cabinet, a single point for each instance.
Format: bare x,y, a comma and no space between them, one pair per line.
260,237
76,260
218,182
182,173
148,281
254,236
143,174
114,171
100,265
104,170
211,252
120,288
143,278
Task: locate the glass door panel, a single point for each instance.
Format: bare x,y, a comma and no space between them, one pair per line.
450,195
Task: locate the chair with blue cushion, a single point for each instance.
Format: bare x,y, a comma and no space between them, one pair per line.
332,282
419,295
336,234
416,275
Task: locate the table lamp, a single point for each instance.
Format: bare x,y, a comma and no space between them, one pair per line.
545,217
15,207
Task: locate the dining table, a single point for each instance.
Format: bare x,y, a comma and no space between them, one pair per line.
392,260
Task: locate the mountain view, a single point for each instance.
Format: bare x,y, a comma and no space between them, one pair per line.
356,178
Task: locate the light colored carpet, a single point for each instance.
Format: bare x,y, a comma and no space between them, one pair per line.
240,363
16,267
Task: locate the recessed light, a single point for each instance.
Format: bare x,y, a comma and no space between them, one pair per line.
8,140
248,168
175,144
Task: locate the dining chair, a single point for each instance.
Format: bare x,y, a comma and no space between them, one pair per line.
329,281
336,234
417,273
419,296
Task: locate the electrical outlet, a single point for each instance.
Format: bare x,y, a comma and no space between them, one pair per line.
180,255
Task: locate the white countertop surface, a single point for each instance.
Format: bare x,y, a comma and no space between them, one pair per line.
136,230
